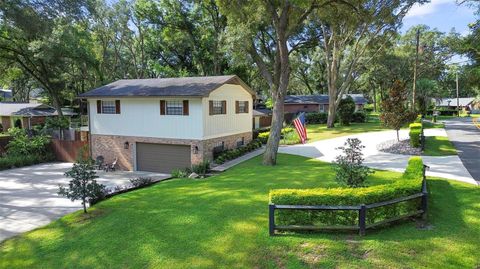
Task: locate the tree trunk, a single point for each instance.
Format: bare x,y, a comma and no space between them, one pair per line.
84,205
270,155
398,136
331,110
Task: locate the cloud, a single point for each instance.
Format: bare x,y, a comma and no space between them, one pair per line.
426,9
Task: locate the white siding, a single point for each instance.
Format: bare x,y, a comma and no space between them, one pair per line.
141,117
230,123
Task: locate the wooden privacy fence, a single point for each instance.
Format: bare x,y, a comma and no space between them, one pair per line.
68,151
361,209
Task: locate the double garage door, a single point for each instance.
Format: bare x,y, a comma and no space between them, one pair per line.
162,158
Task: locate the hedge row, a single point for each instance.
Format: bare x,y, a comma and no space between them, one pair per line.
263,136
9,162
415,133
231,154
409,184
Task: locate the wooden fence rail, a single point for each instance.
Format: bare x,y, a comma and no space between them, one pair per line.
362,212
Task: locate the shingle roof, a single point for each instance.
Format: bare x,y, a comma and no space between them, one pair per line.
320,99
27,109
453,101
186,86
261,112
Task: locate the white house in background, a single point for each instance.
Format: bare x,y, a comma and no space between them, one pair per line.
169,123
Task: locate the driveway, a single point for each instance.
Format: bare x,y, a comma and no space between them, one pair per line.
28,195
450,167
465,136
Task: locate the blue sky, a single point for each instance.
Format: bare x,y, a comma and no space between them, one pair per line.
441,14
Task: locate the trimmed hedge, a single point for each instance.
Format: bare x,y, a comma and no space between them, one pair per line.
415,132
359,117
410,183
235,153
316,117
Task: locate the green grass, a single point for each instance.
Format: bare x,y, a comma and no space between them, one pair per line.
221,222
430,125
438,146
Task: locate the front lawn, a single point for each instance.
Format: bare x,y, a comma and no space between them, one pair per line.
438,146
221,222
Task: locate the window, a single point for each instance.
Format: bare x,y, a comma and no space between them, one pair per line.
218,107
241,142
241,107
174,108
108,107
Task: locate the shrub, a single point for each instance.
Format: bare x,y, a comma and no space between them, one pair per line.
415,132
345,110
316,117
235,153
409,184
13,161
21,144
359,117
179,173
349,169
201,168
263,137
141,181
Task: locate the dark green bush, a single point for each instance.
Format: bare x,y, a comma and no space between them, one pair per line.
316,117
415,132
15,161
235,153
141,181
201,168
359,117
345,110
409,184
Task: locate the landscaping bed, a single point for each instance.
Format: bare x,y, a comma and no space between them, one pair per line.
222,222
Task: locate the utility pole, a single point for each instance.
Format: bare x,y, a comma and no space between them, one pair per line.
417,41
458,100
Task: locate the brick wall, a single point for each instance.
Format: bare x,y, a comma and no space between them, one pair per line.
111,147
295,108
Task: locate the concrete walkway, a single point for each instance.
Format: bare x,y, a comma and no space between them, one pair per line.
241,159
450,167
465,136
28,195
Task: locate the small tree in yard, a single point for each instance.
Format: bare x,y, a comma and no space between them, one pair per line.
83,185
349,169
345,110
395,113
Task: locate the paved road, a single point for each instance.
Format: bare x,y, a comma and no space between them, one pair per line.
466,138
28,195
450,167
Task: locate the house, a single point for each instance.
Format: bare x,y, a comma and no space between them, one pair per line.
316,103
163,124
466,104
24,115
262,117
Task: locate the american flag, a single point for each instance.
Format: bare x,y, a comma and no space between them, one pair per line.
299,123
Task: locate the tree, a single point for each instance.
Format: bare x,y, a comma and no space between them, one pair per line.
348,34
346,108
83,185
348,167
269,32
395,113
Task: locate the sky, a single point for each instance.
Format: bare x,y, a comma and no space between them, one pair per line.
441,14
444,15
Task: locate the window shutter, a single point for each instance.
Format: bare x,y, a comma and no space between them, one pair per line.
162,107
237,107
99,107
210,107
246,107
224,107
185,107
117,106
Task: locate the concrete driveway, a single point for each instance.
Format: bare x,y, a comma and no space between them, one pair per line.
28,195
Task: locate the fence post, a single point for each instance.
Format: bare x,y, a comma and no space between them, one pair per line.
362,215
271,219
425,193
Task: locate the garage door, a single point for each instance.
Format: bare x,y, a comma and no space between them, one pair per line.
162,158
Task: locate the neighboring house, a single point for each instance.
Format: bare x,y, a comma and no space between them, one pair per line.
24,115
316,103
169,123
262,117
467,103
6,95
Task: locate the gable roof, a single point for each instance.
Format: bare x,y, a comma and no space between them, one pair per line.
464,101
359,99
185,86
27,109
